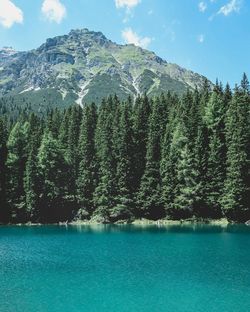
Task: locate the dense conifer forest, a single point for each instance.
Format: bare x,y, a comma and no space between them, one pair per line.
172,157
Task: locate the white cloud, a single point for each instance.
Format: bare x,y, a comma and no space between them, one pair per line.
128,4
130,36
201,38
230,7
53,10
202,6
10,13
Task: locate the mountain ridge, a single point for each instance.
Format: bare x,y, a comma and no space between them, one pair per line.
85,66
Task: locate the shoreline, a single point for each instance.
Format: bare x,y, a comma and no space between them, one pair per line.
136,222
161,222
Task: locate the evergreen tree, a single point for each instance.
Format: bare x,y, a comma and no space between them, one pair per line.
215,119
172,173
237,186
201,152
105,191
54,122
179,170
186,193
168,161
87,174
124,171
3,171
31,173
187,115
142,111
72,149
52,169
149,195
16,160
64,128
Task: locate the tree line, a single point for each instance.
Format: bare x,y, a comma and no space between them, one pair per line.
170,157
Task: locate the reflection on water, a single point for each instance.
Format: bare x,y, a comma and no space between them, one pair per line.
127,228
169,228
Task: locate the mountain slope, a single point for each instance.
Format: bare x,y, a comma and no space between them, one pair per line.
85,66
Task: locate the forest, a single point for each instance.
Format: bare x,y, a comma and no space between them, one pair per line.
173,157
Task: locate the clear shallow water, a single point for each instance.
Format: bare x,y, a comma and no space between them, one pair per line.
125,268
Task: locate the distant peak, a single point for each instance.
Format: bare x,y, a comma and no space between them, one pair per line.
86,31
79,31
7,51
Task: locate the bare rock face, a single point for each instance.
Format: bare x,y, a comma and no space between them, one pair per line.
85,66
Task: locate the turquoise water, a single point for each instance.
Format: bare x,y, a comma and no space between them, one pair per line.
125,268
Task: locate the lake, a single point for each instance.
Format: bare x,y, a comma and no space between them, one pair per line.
125,268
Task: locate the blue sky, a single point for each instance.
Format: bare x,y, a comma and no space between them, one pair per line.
211,37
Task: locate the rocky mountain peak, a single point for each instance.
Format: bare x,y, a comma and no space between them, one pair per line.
76,37
85,66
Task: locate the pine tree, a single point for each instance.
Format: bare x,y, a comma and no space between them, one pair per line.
54,121
149,195
170,180
72,149
64,128
237,185
4,216
215,120
186,115
31,173
179,170
124,170
87,174
16,160
52,169
168,161
106,187
201,152
142,111
186,193
31,186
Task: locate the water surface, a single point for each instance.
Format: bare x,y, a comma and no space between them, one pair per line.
125,268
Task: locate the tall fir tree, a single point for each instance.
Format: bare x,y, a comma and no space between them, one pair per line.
186,192
124,169
172,179
216,172
52,169
141,115
64,128
4,215
106,188
72,149
237,185
149,195
87,174
31,173
16,160
201,152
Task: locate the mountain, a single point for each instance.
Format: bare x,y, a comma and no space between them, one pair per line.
85,66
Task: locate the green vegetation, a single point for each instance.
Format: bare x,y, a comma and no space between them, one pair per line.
85,64
172,157
41,102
